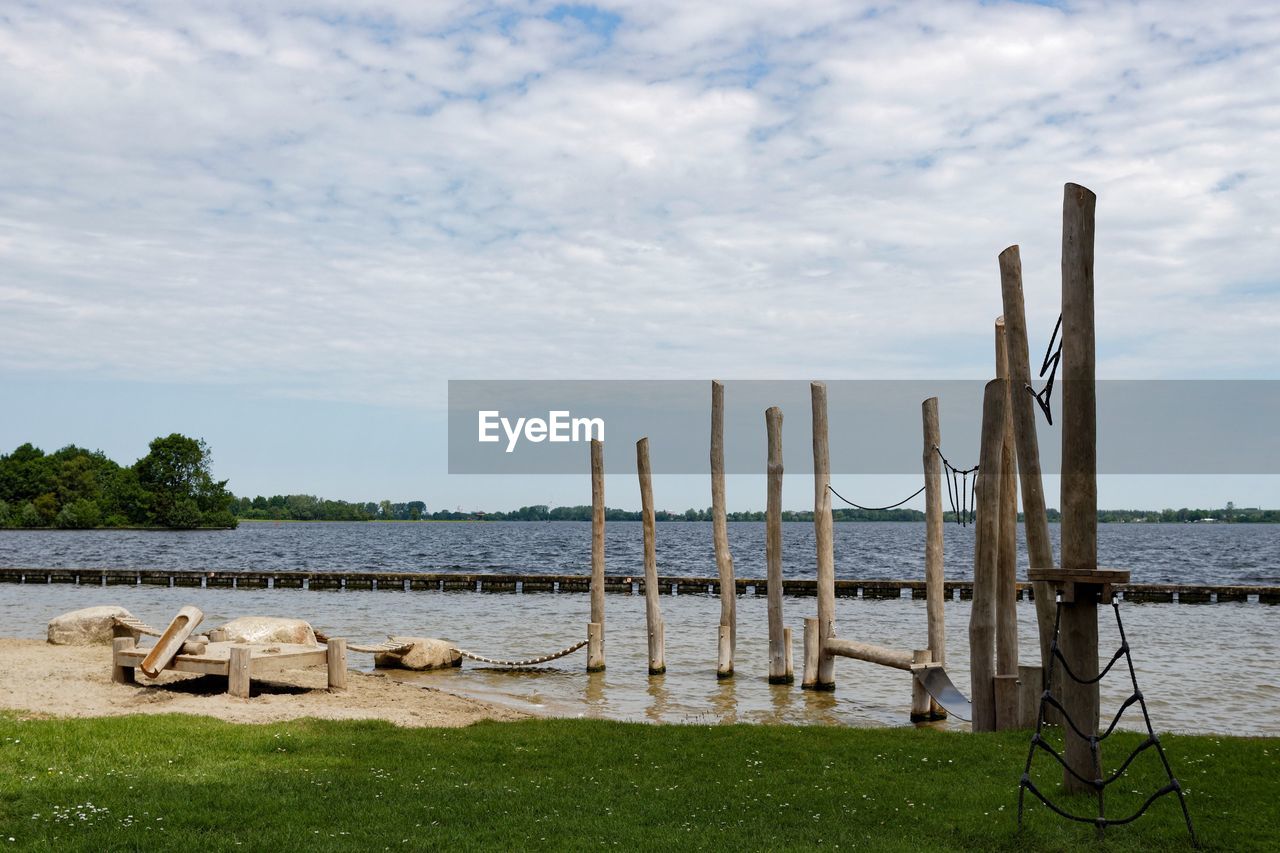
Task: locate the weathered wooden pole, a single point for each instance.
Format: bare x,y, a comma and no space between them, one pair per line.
653,616
728,631
1035,519
982,627
778,652
824,678
1079,632
921,701
933,558
1007,555
595,629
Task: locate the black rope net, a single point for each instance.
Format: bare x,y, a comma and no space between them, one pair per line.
1049,365
1100,783
960,491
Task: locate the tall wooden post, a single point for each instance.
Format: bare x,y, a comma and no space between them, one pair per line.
728,632
1079,631
1035,518
1007,552
824,677
778,652
653,616
982,628
595,629
934,584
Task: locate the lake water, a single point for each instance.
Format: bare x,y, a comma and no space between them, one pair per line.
1154,553
1202,668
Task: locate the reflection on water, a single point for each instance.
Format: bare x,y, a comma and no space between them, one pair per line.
1197,666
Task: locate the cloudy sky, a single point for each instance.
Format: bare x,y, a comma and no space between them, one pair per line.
284,226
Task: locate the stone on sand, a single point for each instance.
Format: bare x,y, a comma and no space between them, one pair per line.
264,629
86,627
424,653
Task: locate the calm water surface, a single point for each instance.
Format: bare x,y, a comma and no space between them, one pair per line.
1198,665
1155,553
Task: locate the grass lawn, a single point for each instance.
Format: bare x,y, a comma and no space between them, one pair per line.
174,782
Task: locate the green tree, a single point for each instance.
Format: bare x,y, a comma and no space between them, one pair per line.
181,491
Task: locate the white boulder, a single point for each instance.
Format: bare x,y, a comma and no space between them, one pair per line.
264,629
423,653
86,627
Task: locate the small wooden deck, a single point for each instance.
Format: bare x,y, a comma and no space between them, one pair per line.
240,663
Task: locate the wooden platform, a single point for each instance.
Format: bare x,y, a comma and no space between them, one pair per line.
239,662
1099,583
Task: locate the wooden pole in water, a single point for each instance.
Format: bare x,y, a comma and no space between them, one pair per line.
982,628
653,616
595,629
1079,631
824,678
728,632
1007,550
933,557
773,549
1035,519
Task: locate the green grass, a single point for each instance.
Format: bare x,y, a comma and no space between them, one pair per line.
197,784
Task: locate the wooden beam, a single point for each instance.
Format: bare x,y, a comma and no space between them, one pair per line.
720,539
773,548
653,616
595,639
868,652
1006,590
1078,637
238,668
824,678
336,662
1027,446
121,674
982,628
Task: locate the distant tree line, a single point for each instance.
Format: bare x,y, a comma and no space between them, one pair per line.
312,508
170,487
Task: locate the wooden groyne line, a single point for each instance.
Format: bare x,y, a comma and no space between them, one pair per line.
462,581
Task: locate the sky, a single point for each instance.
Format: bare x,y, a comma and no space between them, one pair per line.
283,227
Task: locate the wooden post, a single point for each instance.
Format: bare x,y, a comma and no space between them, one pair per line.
595,637
789,669
336,658
1030,686
1007,549
1079,630
824,678
238,671
1035,519
812,651
728,634
933,556
921,701
1006,693
122,674
653,616
773,548
982,628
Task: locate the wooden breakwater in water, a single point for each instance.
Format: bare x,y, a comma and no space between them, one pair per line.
461,580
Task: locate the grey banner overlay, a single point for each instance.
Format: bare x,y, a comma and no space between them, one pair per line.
1144,426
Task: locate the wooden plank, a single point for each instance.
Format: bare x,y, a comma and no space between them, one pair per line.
170,642
1030,686
1007,702
720,540
595,654
982,625
652,613
773,547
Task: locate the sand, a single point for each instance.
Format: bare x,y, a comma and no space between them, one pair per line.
75,681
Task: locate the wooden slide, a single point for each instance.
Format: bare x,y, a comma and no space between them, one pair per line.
170,642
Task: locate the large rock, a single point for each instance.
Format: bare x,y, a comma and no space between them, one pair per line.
424,653
264,629
87,627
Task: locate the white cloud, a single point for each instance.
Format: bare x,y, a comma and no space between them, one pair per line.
359,201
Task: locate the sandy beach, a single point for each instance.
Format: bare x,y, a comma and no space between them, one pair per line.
40,679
